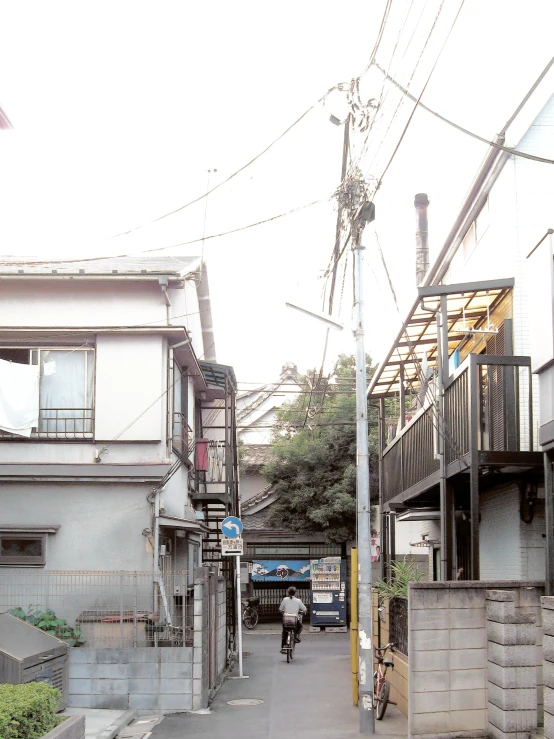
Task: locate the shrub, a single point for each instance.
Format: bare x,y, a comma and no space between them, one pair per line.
403,573
28,711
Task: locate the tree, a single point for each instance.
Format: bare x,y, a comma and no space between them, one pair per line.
313,467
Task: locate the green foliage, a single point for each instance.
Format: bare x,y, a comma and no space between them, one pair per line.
313,467
48,621
402,573
28,711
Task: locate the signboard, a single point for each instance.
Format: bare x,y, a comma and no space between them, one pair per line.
278,569
231,546
231,527
376,547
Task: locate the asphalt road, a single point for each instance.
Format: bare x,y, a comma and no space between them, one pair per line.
309,698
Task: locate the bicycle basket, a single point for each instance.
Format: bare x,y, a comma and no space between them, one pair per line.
253,602
289,620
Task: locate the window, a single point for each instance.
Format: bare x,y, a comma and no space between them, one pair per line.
180,410
23,549
66,408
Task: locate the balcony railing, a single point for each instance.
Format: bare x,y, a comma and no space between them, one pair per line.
61,424
487,408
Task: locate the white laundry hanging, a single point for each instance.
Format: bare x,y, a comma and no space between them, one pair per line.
19,384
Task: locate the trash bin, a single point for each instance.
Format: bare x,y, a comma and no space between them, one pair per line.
28,654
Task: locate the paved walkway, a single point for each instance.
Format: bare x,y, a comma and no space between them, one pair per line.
309,698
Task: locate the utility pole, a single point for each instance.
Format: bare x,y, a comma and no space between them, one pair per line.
345,148
364,213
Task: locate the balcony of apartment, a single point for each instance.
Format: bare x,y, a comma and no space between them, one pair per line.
473,426
216,453
486,420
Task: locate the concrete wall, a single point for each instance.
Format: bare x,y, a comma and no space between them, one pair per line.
131,376
149,678
100,524
221,626
548,664
448,655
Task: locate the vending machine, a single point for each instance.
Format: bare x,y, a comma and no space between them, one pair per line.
328,592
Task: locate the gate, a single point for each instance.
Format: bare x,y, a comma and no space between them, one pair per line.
272,593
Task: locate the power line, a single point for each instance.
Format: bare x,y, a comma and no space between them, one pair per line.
173,246
460,128
238,171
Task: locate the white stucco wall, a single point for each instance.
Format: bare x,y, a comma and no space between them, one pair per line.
130,382
100,524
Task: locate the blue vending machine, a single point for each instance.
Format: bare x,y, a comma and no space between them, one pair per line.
328,592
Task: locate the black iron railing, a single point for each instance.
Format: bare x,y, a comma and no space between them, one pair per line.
487,402
65,423
398,624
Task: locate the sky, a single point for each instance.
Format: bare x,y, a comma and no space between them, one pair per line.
120,109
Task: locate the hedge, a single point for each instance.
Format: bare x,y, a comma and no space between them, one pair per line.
28,711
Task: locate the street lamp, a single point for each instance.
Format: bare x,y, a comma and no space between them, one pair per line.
318,316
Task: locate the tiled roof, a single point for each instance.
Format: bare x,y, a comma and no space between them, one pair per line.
255,455
177,266
256,499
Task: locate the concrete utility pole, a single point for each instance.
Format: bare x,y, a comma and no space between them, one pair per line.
363,215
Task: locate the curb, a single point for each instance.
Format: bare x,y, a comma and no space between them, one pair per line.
114,729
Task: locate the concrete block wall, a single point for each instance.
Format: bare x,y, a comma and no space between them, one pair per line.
221,632
200,687
511,672
146,678
548,665
448,656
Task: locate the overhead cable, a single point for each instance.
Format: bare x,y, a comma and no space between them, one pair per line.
209,191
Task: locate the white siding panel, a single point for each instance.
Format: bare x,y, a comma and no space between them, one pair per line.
130,380
500,535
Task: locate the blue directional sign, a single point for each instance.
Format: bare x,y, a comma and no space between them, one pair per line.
232,527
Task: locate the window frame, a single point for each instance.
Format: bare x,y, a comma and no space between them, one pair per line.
35,360
183,411
25,561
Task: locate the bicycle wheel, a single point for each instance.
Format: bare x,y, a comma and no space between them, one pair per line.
289,648
250,617
382,700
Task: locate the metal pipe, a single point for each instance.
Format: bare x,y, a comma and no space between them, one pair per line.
421,203
365,633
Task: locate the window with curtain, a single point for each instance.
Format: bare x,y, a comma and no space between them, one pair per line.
66,390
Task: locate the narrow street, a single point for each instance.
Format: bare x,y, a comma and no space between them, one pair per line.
309,697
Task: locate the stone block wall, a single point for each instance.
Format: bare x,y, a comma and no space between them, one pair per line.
146,678
511,669
221,626
448,655
548,665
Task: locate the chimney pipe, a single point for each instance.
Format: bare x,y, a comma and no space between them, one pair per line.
421,202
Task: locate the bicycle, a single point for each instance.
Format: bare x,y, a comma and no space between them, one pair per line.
381,686
290,621
250,612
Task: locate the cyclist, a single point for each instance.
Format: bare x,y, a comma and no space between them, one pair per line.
292,604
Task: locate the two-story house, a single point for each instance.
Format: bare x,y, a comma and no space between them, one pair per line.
465,462
117,428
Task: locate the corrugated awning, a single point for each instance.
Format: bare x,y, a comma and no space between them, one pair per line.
469,306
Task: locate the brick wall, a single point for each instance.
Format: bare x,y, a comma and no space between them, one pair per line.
447,659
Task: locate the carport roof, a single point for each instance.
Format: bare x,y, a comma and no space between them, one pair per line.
468,308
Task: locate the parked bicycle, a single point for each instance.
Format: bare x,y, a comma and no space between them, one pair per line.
290,621
250,614
381,686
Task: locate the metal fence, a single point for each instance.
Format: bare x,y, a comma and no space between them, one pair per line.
118,609
398,624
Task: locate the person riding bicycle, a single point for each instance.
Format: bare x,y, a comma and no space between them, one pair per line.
293,605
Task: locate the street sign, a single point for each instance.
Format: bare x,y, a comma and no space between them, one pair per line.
232,546
231,527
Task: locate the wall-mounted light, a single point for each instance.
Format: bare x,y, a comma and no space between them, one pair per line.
528,494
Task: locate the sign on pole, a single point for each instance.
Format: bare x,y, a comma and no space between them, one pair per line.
231,546
231,527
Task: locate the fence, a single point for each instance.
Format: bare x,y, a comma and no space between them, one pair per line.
118,609
398,624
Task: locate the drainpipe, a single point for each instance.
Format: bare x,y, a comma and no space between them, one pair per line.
421,203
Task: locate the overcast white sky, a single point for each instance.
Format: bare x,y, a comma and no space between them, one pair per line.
120,108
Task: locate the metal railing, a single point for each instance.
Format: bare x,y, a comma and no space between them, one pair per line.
398,624
65,423
217,452
489,399
102,609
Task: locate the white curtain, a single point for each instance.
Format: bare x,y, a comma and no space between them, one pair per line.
18,397
66,393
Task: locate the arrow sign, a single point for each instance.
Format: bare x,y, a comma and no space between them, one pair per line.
232,527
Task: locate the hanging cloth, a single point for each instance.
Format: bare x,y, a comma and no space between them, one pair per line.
19,385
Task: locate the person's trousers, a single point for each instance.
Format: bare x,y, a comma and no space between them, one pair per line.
297,631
